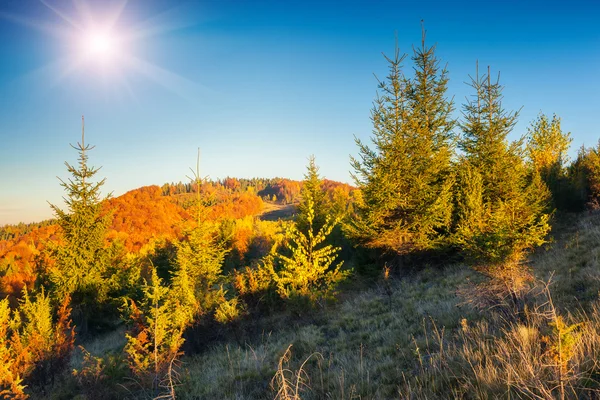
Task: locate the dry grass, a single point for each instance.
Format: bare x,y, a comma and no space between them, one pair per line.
546,356
365,342
415,338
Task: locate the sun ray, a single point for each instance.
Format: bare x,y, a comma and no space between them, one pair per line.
58,31
178,17
114,17
167,79
96,41
61,14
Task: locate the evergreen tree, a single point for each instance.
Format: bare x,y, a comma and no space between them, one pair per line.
547,147
547,144
199,259
81,259
578,182
406,180
309,271
312,189
156,332
501,207
33,348
198,267
584,179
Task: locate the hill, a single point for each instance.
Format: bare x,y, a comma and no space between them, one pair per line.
153,214
413,337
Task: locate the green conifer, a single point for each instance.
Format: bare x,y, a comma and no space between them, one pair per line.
155,335
309,271
406,180
547,147
81,259
312,189
501,207
199,259
584,179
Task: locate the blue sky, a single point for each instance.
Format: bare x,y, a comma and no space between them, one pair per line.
258,85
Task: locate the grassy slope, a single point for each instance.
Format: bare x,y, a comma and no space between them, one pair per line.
373,345
365,343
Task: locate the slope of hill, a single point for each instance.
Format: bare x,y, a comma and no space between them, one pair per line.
153,213
418,337
138,216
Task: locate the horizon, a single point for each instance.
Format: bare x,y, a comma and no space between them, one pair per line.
258,87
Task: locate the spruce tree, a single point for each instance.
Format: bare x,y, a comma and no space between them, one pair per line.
199,263
34,348
81,259
312,189
584,179
547,144
155,335
406,180
501,207
547,147
199,258
309,269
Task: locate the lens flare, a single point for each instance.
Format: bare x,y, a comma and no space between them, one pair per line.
99,41
100,45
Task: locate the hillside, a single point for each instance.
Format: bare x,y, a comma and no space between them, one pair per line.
153,214
405,337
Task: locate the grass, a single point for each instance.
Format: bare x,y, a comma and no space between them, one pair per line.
366,343
416,338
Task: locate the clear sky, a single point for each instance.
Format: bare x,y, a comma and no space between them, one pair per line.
257,85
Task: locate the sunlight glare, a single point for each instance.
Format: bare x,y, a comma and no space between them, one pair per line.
100,45
100,41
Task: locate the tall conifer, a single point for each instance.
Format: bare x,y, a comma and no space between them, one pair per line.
199,259
310,270
501,207
547,147
81,260
312,189
406,180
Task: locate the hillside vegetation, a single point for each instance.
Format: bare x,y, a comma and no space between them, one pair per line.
462,264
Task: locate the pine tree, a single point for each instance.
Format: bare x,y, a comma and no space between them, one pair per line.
155,336
199,259
584,179
312,188
501,208
309,271
33,348
406,180
547,147
81,259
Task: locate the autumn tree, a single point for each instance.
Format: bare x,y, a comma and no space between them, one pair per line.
501,207
547,147
405,179
80,259
232,184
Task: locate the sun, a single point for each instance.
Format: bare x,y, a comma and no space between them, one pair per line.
100,46
103,41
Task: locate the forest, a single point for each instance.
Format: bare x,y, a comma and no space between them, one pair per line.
459,264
